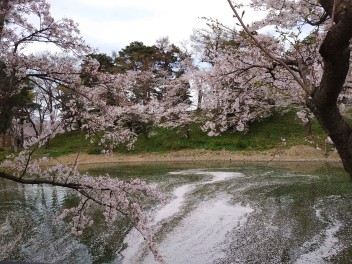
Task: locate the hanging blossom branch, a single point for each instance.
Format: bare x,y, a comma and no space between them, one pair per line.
116,197
266,51
87,89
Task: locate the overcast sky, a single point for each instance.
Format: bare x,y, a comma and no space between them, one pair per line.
112,24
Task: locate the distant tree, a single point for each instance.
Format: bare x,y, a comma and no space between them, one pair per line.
106,62
230,96
212,41
162,60
175,110
136,57
14,107
152,71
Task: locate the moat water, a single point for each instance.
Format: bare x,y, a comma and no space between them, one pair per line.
214,213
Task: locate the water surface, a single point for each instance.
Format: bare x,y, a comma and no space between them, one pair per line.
215,213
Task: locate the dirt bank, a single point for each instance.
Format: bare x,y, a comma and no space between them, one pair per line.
296,153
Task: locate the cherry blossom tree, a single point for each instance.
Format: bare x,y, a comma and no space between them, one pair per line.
301,48
24,25
207,44
157,72
233,94
175,109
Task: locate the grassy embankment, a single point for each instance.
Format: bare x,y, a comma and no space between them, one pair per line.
262,135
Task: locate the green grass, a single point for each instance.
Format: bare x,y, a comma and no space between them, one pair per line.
71,142
3,152
262,135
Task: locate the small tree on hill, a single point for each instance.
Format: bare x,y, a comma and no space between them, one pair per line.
232,94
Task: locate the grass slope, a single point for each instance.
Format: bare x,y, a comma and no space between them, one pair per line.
262,135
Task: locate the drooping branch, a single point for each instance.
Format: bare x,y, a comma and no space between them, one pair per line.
38,181
86,90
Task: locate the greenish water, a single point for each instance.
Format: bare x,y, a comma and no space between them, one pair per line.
215,213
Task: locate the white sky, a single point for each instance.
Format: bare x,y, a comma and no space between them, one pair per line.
110,25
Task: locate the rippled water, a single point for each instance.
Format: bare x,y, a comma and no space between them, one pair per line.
225,214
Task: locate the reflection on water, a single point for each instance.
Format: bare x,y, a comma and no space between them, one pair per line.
29,231
227,214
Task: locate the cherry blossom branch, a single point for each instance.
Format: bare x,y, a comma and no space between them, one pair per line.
266,51
29,159
120,198
88,89
31,37
38,181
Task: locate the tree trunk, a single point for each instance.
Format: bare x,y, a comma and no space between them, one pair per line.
15,141
308,127
21,132
335,51
33,125
145,132
187,132
339,132
4,139
200,98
